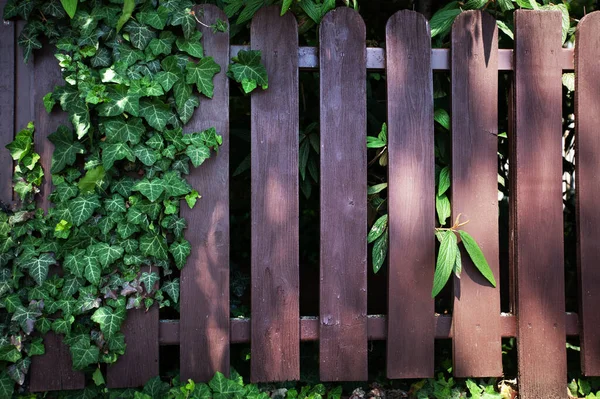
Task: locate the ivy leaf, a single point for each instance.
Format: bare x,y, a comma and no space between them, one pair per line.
129,56
192,45
18,370
146,155
121,100
65,149
163,44
155,18
26,317
92,179
106,253
156,113
477,256
110,320
172,289
102,58
180,251
224,386
83,353
74,262
128,7
185,19
155,388
115,204
191,198
93,270
115,152
140,35
187,110
38,267
175,185
201,74
83,207
154,245
70,7
445,262
21,146
248,70
151,189
167,79
28,42
198,154
149,279
71,286
118,130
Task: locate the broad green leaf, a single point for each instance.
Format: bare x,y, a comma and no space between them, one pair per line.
477,256
75,263
380,249
184,17
150,188
201,74
221,385
65,148
445,262
110,320
83,207
128,7
377,188
149,279
115,204
93,270
156,389
441,116
378,228
70,7
457,265
115,152
155,18
197,154
175,185
120,130
83,353
444,181
7,385
506,5
180,251
140,35
163,44
22,145
442,20
38,267
504,28
247,67
154,245
285,6
192,46
121,100
26,317
172,289
156,113
92,179
442,206
106,254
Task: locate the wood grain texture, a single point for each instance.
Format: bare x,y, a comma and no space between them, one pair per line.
204,316
140,361
7,105
24,85
537,160
477,347
343,299
275,219
411,177
587,119
53,370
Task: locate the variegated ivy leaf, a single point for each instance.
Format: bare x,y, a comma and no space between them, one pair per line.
74,262
201,74
106,254
162,44
93,270
181,92
183,17
156,113
145,154
149,279
120,130
180,251
121,99
71,286
37,267
172,289
187,110
83,353
248,70
140,35
174,223
116,203
26,317
154,245
65,148
192,46
83,207
198,154
110,320
175,184
150,188
156,18
115,152
129,56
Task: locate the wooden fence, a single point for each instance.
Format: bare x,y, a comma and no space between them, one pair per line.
205,331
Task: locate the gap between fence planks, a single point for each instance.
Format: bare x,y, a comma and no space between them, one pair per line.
343,196
476,344
411,328
587,119
204,298
538,226
275,218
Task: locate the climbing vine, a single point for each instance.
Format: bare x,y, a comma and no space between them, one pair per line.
133,74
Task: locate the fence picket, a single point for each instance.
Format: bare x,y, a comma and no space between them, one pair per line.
343,300
587,119
275,219
53,370
7,104
538,229
204,325
477,348
410,350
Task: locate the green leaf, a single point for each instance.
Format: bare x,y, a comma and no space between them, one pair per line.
83,353
98,377
115,152
38,267
28,42
187,110
75,263
49,102
26,317
121,99
183,17
442,206
65,149
221,385
441,116
201,74
109,320
378,228
445,262
376,188
191,198
444,181
92,179
140,35
156,388
442,20
506,5
172,289
163,44
93,270
83,207
128,6
198,154
285,6
70,7
22,145
380,249
180,251
154,245
106,253
150,188
115,204
457,265
155,18
149,279
192,46
156,113
477,256
504,28
121,130
247,67
7,385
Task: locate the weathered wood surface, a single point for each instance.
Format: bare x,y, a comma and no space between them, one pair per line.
477,347
411,328
7,104
204,299
343,288
275,218
587,119
538,226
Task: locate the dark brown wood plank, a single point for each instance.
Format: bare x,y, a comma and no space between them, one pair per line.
53,370
343,299
140,361
411,177
275,224
587,119
24,84
477,347
537,161
204,347
7,105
